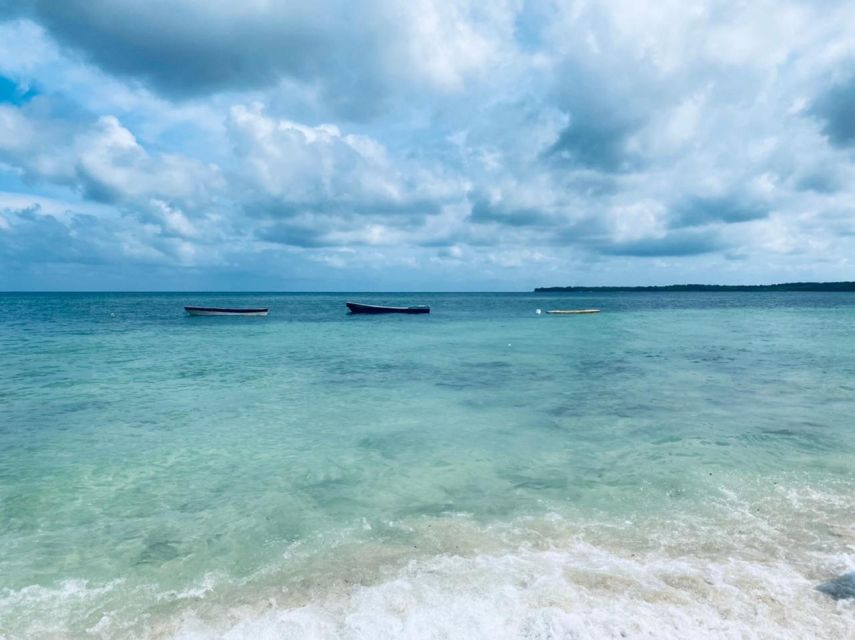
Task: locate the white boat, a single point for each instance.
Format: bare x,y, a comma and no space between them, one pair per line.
569,312
225,311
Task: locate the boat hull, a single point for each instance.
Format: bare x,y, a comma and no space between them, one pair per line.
356,307
223,311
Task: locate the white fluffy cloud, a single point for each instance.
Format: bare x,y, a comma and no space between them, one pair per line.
598,141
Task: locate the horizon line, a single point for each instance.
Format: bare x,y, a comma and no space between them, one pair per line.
538,289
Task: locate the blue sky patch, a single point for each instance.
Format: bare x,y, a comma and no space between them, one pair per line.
12,92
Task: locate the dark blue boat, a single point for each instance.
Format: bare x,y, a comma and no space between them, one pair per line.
356,307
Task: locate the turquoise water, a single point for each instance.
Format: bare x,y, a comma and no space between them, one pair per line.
680,465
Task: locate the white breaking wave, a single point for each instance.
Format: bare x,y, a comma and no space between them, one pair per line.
581,592
743,572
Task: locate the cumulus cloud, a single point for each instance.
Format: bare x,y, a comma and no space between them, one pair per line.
187,48
111,166
311,186
34,236
310,166
31,235
448,142
836,108
100,157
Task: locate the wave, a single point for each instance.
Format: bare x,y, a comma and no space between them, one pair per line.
580,592
780,567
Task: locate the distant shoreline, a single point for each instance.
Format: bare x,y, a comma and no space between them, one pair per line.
787,286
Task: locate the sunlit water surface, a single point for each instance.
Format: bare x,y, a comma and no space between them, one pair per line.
678,465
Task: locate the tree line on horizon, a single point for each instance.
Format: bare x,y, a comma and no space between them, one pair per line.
787,286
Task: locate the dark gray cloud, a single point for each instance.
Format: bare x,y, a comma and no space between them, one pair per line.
33,236
675,244
697,211
185,49
486,212
293,234
595,142
607,103
93,188
349,60
836,109
822,181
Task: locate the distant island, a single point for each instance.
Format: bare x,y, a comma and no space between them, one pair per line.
787,286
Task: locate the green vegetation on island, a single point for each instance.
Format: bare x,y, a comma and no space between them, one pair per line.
787,286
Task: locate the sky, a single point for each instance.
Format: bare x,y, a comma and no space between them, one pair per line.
424,145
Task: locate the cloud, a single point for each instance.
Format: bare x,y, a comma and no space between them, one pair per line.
606,107
31,235
154,208
700,210
112,166
302,164
680,244
293,234
188,48
449,141
99,157
319,185
836,108
200,47
484,211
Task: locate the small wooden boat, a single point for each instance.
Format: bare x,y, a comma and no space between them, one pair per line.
569,312
356,307
225,311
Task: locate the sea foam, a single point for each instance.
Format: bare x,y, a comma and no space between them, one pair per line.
578,592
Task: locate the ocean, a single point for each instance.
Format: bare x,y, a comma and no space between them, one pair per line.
678,466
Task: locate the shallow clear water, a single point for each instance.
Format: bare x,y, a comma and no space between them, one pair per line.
678,465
